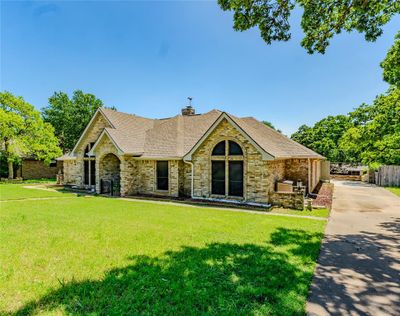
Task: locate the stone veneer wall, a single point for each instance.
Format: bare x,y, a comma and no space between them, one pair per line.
73,169
297,169
139,176
109,168
259,175
288,200
129,176
71,173
104,148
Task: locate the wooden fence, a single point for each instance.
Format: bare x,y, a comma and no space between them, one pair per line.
388,176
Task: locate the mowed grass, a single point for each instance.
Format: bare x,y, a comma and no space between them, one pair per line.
395,190
316,212
21,191
93,255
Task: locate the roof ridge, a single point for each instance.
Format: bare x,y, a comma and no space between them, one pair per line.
104,109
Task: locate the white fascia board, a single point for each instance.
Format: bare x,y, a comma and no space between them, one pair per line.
103,134
90,124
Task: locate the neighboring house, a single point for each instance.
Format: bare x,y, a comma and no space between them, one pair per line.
31,168
212,155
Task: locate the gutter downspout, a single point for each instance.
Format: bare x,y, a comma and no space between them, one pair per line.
191,178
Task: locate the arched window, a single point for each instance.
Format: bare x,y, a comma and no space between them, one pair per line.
219,149
227,169
235,149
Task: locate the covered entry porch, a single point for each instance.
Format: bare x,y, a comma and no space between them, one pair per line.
109,178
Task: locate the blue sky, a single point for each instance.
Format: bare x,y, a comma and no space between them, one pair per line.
147,57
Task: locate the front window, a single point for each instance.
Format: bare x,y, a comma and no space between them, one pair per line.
236,178
162,175
89,166
218,177
227,169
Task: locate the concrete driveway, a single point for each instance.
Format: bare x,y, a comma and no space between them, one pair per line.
358,271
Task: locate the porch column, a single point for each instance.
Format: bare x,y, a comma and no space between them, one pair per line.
123,174
97,162
128,175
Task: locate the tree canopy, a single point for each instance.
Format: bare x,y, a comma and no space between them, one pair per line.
374,137
391,64
324,136
24,133
370,134
269,124
69,116
321,20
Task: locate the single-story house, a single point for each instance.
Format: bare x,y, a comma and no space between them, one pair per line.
214,155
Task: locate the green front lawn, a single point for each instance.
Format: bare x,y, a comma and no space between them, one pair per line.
22,191
93,255
395,190
316,212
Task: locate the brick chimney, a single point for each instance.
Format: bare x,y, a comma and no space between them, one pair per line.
189,110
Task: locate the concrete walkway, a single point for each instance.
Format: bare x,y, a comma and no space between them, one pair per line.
358,271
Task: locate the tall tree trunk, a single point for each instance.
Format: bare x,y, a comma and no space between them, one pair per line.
10,170
10,163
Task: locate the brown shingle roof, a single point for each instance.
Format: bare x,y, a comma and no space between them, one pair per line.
176,136
273,142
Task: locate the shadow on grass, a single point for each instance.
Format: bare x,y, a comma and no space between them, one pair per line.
221,278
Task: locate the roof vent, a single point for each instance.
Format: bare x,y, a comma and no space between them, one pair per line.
189,110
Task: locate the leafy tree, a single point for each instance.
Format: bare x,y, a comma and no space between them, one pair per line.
370,134
304,136
321,20
23,132
70,116
324,136
391,64
269,124
375,135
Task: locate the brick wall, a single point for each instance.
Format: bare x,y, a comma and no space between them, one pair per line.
36,169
